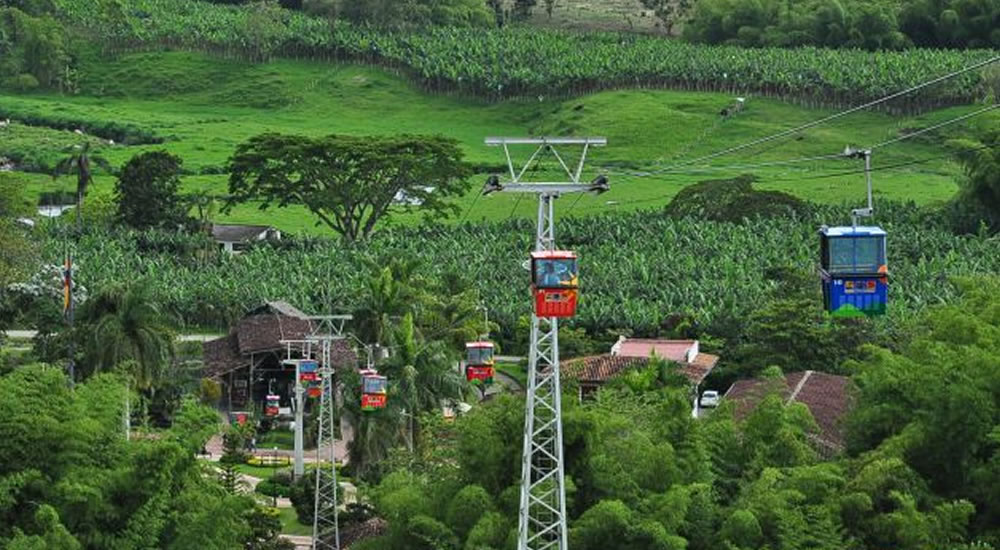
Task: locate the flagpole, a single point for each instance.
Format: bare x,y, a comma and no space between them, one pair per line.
68,311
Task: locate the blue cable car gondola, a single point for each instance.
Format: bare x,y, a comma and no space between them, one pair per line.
853,265
854,270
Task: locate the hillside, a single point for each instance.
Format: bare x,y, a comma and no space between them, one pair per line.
202,106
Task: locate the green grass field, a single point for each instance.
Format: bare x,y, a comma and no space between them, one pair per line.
205,106
290,523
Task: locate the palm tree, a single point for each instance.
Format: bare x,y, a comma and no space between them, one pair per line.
424,376
124,324
79,162
391,292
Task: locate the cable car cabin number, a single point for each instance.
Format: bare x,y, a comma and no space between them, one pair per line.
554,283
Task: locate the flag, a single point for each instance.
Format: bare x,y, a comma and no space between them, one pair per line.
67,284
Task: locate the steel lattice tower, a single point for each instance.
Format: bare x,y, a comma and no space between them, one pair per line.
325,511
542,524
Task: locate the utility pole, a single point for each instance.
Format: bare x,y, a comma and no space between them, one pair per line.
542,521
325,522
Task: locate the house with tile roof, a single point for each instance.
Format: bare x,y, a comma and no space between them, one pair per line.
626,354
827,396
247,362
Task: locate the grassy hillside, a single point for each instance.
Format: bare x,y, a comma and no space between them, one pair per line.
203,107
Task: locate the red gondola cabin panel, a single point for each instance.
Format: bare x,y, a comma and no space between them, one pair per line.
479,372
479,361
373,390
554,283
271,407
373,401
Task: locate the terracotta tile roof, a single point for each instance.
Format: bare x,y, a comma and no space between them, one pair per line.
827,396
222,356
697,370
279,307
671,350
598,369
264,332
261,331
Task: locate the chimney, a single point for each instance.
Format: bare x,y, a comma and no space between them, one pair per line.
692,352
616,349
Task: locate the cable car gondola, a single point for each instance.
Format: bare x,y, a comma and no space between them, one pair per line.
854,271
308,371
479,362
554,283
373,390
271,407
853,265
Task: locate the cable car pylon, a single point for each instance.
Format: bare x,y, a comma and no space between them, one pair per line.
326,528
542,521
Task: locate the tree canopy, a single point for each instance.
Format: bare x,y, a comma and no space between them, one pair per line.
350,183
147,191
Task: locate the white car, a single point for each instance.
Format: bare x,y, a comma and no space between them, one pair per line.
710,398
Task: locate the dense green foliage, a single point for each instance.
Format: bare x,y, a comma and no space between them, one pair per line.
516,61
717,272
147,191
126,134
951,23
417,12
831,23
34,51
978,200
641,473
847,23
69,478
732,200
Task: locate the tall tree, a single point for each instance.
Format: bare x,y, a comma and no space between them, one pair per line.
79,162
147,191
349,183
669,12
124,323
980,189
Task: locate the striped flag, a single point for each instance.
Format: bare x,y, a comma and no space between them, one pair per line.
67,284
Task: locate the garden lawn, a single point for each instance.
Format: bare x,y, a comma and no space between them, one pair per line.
290,523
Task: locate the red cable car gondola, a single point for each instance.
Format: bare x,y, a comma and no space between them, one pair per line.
373,390
271,407
479,362
554,283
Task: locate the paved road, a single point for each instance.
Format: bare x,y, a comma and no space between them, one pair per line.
300,542
29,334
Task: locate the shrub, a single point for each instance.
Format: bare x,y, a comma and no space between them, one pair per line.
211,391
272,489
733,200
22,82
